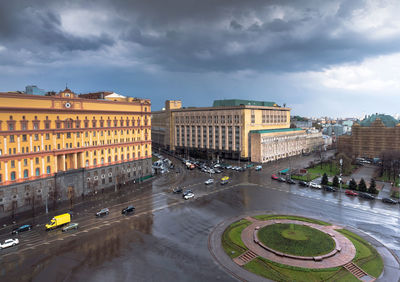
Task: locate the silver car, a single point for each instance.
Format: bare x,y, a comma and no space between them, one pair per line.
9,243
71,226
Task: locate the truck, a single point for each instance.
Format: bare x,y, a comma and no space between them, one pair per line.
58,220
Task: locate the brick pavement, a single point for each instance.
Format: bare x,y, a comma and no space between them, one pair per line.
346,254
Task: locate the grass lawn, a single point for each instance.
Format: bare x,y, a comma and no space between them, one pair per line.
367,257
326,168
299,240
231,240
307,177
291,217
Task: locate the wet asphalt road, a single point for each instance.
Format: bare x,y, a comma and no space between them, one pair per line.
166,239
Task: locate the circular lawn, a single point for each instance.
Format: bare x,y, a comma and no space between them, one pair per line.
294,239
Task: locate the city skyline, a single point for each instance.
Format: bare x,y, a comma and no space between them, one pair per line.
336,59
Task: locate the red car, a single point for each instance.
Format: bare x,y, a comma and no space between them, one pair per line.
274,177
351,193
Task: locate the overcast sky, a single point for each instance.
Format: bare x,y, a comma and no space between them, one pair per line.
321,58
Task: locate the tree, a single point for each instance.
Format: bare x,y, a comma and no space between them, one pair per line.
335,182
324,180
372,187
362,187
353,184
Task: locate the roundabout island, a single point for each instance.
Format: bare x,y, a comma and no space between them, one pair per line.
294,248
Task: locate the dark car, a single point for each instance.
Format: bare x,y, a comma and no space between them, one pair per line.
290,181
177,190
366,196
128,210
329,189
389,201
102,212
303,183
281,179
22,228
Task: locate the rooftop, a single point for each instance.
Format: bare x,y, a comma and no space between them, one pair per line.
237,102
387,120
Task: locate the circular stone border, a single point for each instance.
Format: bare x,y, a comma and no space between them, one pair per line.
343,253
391,263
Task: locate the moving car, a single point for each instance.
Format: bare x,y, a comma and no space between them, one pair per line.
9,243
177,190
22,228
303,183
351,193
389,201
274,177
209,181
281,179
128,209
258,168
70,227
101,212
186,192
188,196
329,189
315,185
290,181
366,196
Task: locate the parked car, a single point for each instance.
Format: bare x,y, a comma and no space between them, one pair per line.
258,168
177,190
102,212
351,193
315,185
229,167
217,170
389,201
273,176
71,226
209,181
128,209
9,243
290,181
303,183
22,228
329,189
188,196
366,196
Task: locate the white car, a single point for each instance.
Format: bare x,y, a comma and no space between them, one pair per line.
209,181
258,168
188,196
315,185
9,243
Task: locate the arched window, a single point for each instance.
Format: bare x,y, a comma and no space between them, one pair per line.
116,158
102,160
94,161
48,170
37,172
87,163
26,173
122,157
109,159
127,156
13,175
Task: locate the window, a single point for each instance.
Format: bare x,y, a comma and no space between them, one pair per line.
37,172
94,161
87,163
24,138
13,175
69,135
37,160
47,136
12,140
10,126
48,170
26,173
12,164
253,117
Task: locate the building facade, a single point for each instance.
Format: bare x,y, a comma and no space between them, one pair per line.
221,130
371,137
55,148
275,144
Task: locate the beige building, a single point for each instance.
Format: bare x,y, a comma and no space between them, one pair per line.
222,129
274,144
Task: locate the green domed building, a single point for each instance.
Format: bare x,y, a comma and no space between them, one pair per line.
371,137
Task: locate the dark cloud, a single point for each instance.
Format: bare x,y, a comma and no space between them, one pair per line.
200,36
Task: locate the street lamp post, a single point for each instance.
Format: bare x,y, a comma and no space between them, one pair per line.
340,181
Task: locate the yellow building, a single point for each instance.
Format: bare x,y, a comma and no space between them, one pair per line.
66,145
221,130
